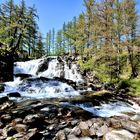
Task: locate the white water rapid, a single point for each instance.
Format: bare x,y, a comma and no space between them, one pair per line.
55,68
36,87
53,77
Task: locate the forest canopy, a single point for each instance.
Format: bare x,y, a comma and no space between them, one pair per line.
105,37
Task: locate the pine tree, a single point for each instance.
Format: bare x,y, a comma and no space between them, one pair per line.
40,47
59,43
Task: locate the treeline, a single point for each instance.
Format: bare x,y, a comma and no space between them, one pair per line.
19,36
105,36
19,32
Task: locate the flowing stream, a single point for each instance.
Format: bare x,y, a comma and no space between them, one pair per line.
54,77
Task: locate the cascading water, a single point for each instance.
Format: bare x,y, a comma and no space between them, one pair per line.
37,87
55,69
49,78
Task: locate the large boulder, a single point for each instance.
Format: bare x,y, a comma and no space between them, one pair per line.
119,135
1,88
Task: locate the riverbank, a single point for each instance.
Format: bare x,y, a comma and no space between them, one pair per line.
58,120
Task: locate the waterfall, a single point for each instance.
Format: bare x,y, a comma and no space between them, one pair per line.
43,79
55,68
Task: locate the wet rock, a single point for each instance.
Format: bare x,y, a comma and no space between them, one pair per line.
6,118
9,131
34,120
34,136
14,94
119,135
95,87
2,88
5,103
60,135
109,86
4,99
23,76
16,121
5,106
44,65
84,128
1,125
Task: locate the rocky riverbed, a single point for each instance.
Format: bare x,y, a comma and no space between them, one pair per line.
49,99
55,119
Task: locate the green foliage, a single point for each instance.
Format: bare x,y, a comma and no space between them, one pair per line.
123,84
18,28
135,84
86,65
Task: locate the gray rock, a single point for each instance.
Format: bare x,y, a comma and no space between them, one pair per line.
92,131
60,135
135,117
85,138
18,135
67,131
89,122
34,120
119,135
11,138
2,88
102,130
1,124
6,118
9,131
16,121
76,131
72,137
33,136
14,94
21,128
131,126
84,128
2,138
74,122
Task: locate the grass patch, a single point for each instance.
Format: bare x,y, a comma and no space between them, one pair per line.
132,84
135,84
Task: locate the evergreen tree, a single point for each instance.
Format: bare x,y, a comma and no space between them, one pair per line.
40,47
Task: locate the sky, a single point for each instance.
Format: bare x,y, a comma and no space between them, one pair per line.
53,13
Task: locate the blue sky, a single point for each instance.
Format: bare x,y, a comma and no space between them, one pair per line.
53,13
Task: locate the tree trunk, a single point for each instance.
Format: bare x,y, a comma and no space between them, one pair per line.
133,68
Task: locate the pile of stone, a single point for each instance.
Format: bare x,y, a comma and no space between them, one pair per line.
45,120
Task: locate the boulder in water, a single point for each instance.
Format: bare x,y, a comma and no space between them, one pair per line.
14,94
1,88
23,76
43,66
